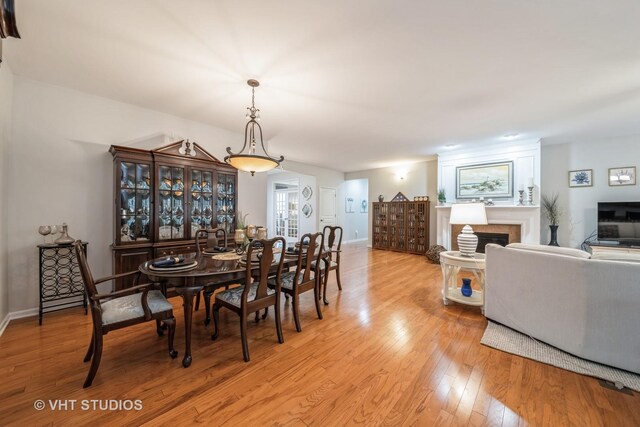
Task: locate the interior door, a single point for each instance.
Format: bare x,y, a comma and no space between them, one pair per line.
286,214
327,206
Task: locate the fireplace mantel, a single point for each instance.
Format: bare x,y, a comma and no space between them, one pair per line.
528,217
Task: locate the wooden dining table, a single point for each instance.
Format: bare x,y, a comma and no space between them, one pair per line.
187,283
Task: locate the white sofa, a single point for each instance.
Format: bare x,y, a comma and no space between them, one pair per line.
587,307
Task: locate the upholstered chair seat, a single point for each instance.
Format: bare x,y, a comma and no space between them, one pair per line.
234,296
288,278
130,307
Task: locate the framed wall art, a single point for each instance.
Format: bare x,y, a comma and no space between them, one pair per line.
581,178
485,180
622,176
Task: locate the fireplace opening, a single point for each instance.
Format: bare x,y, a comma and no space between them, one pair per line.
501,239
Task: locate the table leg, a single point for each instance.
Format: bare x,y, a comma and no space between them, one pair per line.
187,293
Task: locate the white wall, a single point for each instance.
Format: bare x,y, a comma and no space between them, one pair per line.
580,204
61,172
355,224
6,103
420,179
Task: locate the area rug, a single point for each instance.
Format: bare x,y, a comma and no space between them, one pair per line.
506,339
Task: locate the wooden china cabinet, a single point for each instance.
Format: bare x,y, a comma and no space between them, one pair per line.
162,197
401,226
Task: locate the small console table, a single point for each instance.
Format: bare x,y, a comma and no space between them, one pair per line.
452,263
61,284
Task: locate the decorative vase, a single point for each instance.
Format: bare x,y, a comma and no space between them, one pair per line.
262,233
239,236
64,238
381,198
466,288
554,235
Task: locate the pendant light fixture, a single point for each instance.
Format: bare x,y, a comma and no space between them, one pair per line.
249,159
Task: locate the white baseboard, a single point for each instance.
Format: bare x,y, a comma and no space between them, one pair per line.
356,240
17,315
5,323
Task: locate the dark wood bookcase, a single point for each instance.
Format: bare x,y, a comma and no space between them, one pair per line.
162,197
401,226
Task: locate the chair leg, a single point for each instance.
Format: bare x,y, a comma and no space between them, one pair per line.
338,277
159,329
95,361
324,287
171,324
278,322
197,301
266,311
87,357
216,320
296,315
207,307
316,298
243,336
257,318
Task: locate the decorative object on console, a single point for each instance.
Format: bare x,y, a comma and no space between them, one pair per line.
581,178
64,238
488,180
45,230
551,209
442,196
465,214
622,176
521,195
400,198
381,198
247,159
466,290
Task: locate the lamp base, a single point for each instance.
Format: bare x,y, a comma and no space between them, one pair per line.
467,242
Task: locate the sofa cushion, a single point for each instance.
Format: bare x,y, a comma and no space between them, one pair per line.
576,253
617,256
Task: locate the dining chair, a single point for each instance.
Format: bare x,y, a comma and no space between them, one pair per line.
210,239
331,261
119,309
254,294
305,277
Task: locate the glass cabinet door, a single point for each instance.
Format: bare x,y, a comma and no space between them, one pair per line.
135,201
171,202
226,202
201,200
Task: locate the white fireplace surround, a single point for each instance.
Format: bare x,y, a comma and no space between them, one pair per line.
528,217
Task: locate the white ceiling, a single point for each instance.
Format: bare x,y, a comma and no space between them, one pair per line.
352,85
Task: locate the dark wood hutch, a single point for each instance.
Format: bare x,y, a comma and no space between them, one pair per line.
162,197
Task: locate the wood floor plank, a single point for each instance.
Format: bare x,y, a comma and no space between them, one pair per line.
386,353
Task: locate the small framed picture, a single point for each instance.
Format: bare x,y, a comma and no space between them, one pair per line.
622,176
581,178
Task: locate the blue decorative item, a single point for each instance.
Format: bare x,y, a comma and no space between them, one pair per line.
466,288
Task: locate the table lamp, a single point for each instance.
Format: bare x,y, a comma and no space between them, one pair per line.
468,213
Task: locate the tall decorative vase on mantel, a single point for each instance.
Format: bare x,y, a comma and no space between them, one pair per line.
554,235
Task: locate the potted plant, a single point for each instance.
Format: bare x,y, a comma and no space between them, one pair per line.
240,233
551,209
442,196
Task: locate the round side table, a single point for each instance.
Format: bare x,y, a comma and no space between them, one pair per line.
452,263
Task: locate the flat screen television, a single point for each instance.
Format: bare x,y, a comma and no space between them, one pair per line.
619,222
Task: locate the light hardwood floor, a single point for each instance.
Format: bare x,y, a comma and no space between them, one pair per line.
387,353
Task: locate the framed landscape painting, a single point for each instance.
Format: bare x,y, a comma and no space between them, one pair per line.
484,180
581,178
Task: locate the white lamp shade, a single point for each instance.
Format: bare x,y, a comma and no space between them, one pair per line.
468,213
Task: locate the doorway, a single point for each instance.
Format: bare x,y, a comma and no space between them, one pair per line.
286,214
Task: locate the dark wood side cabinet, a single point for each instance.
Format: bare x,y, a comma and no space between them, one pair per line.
401,226
162,197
